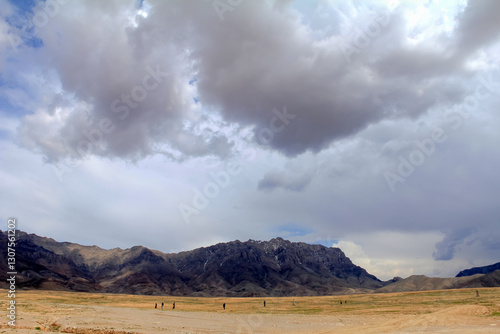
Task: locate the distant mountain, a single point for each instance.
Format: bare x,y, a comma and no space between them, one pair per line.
422,283
479,270
253,268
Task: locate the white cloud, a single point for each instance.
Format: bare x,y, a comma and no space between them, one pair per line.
394,254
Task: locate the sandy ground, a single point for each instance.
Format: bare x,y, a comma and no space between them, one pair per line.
425,312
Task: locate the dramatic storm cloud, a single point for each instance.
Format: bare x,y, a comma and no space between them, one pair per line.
204,121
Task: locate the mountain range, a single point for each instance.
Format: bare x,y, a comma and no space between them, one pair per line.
238,269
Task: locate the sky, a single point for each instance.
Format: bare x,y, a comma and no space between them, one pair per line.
364,125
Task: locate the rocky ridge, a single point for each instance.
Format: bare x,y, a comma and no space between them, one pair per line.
253,268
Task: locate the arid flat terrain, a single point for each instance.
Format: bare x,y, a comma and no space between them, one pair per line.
442,311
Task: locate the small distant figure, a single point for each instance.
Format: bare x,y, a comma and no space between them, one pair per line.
162,306
294,302
224,306
173,306
264,303
477,293
340,302
345,302
156,305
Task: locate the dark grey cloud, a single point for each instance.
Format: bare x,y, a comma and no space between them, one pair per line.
286,181
446,248
243,67
125,94
331,98
478,26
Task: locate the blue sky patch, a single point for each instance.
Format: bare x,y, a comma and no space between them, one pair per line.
292,230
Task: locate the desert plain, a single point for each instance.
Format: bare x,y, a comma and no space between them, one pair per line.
440,311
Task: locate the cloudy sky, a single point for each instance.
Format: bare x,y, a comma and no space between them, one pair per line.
368,126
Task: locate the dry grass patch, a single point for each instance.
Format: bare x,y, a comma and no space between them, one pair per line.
75,312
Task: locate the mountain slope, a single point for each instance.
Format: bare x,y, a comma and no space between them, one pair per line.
253,268
422,283
479,270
